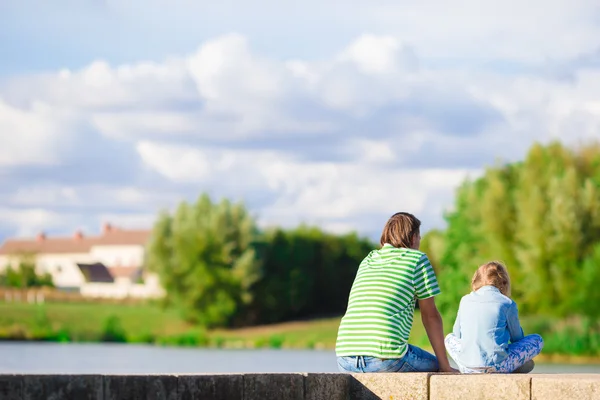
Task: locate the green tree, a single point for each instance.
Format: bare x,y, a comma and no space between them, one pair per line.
205,258
542,218
461,249
306,272
432,244
24,275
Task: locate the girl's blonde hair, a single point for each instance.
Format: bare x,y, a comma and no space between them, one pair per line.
493,273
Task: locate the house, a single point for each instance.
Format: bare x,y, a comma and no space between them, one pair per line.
107,265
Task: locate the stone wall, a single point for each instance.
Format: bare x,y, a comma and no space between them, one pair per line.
299,387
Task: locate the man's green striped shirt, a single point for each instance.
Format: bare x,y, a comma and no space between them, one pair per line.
382,300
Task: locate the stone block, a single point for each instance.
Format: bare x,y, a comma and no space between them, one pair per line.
58,387
480,387
11,387
273,386
211,387
124,387
162,387
327,386
390,386
565,386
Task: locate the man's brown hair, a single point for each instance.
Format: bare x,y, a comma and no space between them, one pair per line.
400,230
493,273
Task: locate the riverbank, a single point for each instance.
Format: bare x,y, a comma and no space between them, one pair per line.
148,323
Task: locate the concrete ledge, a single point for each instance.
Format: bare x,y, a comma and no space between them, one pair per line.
11,387
337,386
392,386
211,387
580,387
480,386
273,386
85,387
403,386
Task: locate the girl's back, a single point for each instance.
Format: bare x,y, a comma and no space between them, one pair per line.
486,322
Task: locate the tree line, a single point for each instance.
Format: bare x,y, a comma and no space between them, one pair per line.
220,269
541,217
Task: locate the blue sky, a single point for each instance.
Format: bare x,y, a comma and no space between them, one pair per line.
334,113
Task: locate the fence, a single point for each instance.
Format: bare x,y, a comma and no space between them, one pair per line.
48,295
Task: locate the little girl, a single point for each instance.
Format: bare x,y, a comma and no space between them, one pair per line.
487,321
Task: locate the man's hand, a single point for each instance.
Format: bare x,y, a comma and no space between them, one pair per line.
449,369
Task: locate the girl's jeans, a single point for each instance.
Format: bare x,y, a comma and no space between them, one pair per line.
520,354
415,360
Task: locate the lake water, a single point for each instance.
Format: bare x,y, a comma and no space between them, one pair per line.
28,357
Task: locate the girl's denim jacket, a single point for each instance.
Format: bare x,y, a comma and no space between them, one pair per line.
486,322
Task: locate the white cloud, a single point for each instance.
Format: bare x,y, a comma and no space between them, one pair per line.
380,55
28,222
45,195
60,209
175,163
224,90
34,136
101,87
84,197
341,141
322,192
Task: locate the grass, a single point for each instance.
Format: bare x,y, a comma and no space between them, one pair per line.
151,324
69,322
88,321
89,317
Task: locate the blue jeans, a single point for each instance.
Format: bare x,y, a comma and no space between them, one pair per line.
415,360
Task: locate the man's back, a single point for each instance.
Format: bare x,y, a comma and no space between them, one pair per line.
382,302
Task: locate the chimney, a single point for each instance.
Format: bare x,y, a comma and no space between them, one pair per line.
106,228
78,235
41,237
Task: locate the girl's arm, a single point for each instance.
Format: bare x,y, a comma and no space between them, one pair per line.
514,326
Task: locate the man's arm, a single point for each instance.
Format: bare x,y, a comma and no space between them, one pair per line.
432,320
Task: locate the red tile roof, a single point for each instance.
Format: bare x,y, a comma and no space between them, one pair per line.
76,243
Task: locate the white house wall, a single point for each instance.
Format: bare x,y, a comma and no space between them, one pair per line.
119,255
4,261
66,274
63,268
